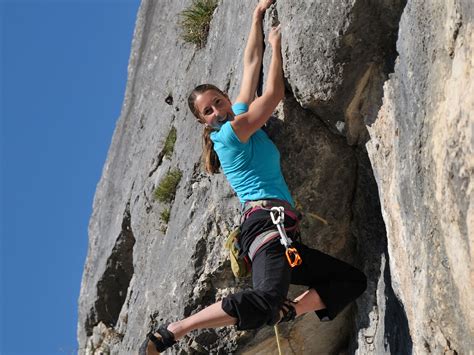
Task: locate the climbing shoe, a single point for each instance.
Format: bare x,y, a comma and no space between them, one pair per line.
153,345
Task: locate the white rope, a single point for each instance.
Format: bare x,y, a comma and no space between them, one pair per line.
278,339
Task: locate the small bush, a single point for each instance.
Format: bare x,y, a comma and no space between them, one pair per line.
165,215
169,143
166,190
195,21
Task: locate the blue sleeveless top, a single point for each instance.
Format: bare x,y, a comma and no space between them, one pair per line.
252,168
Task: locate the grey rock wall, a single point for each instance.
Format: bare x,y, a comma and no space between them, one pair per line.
421,149
141,272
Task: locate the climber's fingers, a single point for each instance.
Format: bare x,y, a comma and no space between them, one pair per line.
274,37
263,5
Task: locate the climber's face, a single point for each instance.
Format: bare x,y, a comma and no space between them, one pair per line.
214,108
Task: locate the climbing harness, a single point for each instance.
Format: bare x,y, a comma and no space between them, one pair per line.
240,262
277,214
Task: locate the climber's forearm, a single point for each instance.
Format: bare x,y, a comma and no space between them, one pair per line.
252,60
253,55
275,85
254,49
260,110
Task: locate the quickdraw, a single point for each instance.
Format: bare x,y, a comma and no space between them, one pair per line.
277,214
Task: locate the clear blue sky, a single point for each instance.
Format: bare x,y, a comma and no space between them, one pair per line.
63,75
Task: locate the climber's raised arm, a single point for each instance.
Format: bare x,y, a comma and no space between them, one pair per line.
261,109
253,55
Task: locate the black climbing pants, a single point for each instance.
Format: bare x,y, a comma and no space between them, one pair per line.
336,282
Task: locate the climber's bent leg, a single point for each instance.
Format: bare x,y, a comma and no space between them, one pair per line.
271,279
308,301
335,282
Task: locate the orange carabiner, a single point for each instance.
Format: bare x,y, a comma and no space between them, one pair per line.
294,259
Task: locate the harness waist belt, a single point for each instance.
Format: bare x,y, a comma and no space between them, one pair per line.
260,241
268,203
250,205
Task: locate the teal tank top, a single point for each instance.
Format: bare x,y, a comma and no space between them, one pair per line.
252,168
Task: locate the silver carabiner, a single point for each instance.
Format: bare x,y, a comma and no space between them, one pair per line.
281,214
279,222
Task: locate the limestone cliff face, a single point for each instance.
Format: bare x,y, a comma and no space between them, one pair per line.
141,271
422,153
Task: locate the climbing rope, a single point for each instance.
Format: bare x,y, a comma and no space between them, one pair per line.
277,339
311,214
315,216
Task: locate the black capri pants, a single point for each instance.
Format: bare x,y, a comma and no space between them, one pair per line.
336,282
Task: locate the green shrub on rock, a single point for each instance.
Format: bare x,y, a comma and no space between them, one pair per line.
165,215
166,190
195,21
169,143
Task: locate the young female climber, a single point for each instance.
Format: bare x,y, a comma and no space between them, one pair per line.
234,140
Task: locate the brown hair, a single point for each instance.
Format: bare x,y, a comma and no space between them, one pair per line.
211,160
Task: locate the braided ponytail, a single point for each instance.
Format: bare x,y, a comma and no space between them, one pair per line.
211,160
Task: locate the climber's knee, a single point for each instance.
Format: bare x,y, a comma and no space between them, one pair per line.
279,309
253,309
